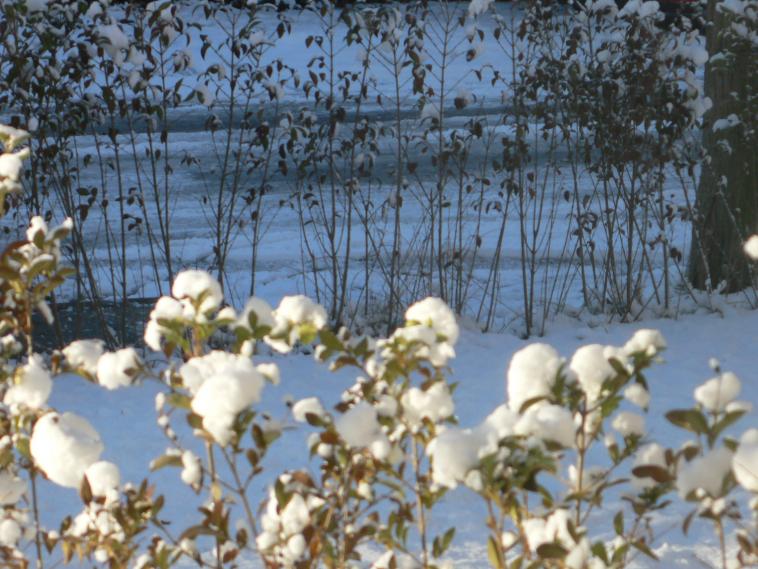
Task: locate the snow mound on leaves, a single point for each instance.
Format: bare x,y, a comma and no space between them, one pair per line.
64,446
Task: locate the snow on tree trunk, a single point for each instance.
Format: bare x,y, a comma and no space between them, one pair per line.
727,198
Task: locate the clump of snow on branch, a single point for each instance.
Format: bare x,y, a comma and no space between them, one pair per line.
751,247
359,427
548,423
258,311
283,525
104,479
456,452
63,446
637,395
114,42
745,461
651,454
431,332
295,316
84,355
118,369
648,342
478,7
12,488
715,394
198,291
434,404
307,406
32,387
592,368
629,424
554,529
191,469
705,473
532,373
222,385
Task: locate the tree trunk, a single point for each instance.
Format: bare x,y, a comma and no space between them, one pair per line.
727,197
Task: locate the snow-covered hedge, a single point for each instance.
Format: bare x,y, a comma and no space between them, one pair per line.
387,452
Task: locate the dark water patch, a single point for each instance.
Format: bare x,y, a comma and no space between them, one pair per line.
117,323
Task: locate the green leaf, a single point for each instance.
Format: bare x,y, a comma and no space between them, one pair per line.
195,421
689,419
6,457
447,539
179,400
441,543
599,551
23,447
728,420
307,333
618,367
164,461
619,553
618,523
551,551
329,340
492,554
643,547
687,522
529,402
85,490
196,531
657,473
